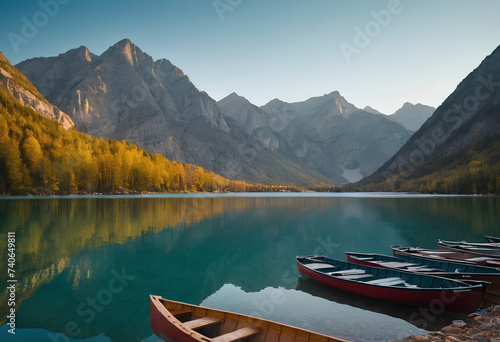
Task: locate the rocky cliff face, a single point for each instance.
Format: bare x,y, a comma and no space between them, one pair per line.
125,95
468,120
339,140
326,133
21,89
251,119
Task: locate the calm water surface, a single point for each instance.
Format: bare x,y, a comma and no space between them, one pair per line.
85,266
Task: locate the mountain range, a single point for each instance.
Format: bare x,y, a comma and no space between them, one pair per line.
328,133
124,94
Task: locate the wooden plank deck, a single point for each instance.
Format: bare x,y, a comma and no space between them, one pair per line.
236,335
355,276
201,322
317,266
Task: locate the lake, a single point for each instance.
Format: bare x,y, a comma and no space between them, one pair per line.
85,265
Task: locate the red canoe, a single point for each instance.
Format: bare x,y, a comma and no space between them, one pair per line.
446,255
180,322
392,285
490,276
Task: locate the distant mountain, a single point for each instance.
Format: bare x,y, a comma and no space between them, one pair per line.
19,87
327,133
457,150
412,116
253,120
125,95
369,109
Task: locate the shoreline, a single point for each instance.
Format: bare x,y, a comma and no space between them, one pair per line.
252,193
481,326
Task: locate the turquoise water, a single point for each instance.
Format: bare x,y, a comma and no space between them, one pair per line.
85,266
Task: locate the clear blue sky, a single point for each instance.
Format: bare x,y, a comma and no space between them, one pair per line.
286,49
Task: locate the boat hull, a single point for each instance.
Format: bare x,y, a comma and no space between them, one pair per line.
165,328
447,255
168,327
466,299
492,278
485,253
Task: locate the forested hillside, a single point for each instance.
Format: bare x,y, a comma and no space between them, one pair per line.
38,155
457,150
476,172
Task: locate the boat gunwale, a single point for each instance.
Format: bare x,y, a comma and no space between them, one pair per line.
441,255
494,270
465,286
469,295
445,247
203,338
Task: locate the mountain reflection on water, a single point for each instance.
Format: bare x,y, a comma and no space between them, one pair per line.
308,311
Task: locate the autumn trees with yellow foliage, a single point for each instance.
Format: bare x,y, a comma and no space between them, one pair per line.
37,155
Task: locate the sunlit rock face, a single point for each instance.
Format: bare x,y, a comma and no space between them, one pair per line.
16,84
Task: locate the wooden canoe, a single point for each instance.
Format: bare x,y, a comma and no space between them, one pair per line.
485,252
447,269
180,322
392,285
487,245
446,255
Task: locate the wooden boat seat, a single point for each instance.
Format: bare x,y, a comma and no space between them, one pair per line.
436,252
201,322
478,259
347,272
236,335
386,281
355,276
422,269
317,266
396,264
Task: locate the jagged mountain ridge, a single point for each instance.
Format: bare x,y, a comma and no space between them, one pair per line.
465,126
327,133
124,94
411,116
